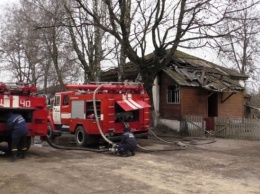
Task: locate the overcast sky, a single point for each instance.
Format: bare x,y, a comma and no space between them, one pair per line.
4,3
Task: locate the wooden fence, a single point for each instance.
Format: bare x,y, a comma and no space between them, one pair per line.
193,126
237,128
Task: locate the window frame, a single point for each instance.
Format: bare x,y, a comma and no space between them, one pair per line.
66,100
175,94
57,100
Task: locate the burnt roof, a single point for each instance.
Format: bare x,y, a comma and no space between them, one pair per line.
188,70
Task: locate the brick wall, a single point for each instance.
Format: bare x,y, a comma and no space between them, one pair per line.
232,107
194,101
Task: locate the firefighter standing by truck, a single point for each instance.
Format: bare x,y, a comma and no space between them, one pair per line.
18,131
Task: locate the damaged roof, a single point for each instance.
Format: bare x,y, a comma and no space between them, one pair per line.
192,71
187,70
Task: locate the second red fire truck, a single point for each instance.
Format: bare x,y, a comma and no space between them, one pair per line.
94,110
23,99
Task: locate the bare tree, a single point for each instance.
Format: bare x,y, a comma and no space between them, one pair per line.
99,6
161,27
126,10
86,40
54,48
20,48
52,13
240,49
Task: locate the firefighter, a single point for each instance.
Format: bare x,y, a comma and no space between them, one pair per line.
18,132
127,144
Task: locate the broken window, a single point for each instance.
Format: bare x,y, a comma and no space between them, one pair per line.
173,94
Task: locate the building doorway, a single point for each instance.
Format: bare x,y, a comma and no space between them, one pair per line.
213,105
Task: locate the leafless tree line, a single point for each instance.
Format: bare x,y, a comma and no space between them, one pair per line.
54,42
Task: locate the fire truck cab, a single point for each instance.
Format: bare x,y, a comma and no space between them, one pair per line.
88,110
22,98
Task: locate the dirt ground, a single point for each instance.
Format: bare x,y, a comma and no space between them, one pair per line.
226,166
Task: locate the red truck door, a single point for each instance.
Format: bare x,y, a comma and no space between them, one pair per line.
56,109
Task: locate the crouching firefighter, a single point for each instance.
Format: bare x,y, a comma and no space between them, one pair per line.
128,143
18,132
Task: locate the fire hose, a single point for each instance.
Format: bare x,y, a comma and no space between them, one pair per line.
114,146
72,148
192,140
112,143
96,116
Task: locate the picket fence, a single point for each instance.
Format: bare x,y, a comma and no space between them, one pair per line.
235,128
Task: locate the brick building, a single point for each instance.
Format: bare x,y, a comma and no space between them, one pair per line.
192,86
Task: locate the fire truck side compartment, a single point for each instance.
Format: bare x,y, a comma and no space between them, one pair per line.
77,109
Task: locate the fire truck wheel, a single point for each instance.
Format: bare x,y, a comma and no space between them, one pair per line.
81,136
50,134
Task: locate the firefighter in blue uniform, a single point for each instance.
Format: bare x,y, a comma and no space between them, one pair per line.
18,131
128,143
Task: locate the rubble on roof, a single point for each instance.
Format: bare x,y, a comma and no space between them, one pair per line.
187,70
197,72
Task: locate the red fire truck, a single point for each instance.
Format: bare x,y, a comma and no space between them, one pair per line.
22,98
96,110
